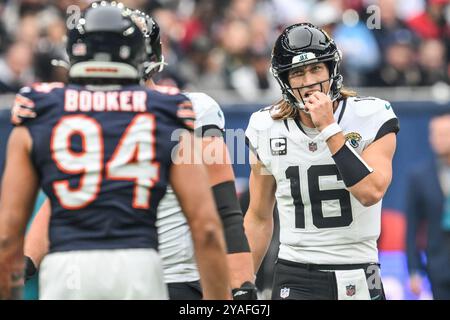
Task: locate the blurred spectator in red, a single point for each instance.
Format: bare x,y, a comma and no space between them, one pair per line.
204,19
357,5
196,25
407,9
432,22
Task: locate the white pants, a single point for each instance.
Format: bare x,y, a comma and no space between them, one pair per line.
102,274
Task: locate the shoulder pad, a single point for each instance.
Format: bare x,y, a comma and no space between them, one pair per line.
40,90
201,101
46,87
33,101
262,119
367,106
207,110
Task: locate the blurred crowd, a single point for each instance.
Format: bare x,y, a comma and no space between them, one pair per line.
226,44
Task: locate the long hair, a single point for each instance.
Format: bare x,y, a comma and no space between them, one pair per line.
287,111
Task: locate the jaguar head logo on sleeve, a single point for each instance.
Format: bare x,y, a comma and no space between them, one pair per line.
354,138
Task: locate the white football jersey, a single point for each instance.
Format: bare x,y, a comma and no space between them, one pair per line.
320,221
175,241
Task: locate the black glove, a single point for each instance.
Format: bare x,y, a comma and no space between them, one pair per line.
30,268
247,291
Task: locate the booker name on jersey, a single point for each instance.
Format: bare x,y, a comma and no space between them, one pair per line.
103,155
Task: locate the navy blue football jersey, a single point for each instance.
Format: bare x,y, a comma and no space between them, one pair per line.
103,158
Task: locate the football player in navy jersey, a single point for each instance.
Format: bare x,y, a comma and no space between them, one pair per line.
175,243
101,149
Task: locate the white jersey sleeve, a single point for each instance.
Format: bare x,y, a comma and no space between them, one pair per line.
376,116
208,113
256,132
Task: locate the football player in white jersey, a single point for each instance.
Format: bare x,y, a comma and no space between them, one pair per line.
325,156
175,241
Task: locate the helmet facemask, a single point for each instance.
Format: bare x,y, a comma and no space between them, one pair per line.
334,79
301,45
155,59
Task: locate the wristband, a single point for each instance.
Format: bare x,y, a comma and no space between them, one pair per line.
330,131
30,268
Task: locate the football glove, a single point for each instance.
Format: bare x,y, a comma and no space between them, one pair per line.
247,291
30,268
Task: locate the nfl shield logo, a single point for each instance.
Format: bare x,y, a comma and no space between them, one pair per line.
350,290
284,293
79,49
124,52
312,146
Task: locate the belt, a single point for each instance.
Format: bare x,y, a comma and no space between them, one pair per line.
332,267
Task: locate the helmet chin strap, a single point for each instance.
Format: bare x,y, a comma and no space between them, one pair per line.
157,66
60,63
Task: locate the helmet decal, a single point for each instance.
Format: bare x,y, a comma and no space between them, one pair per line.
107,40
